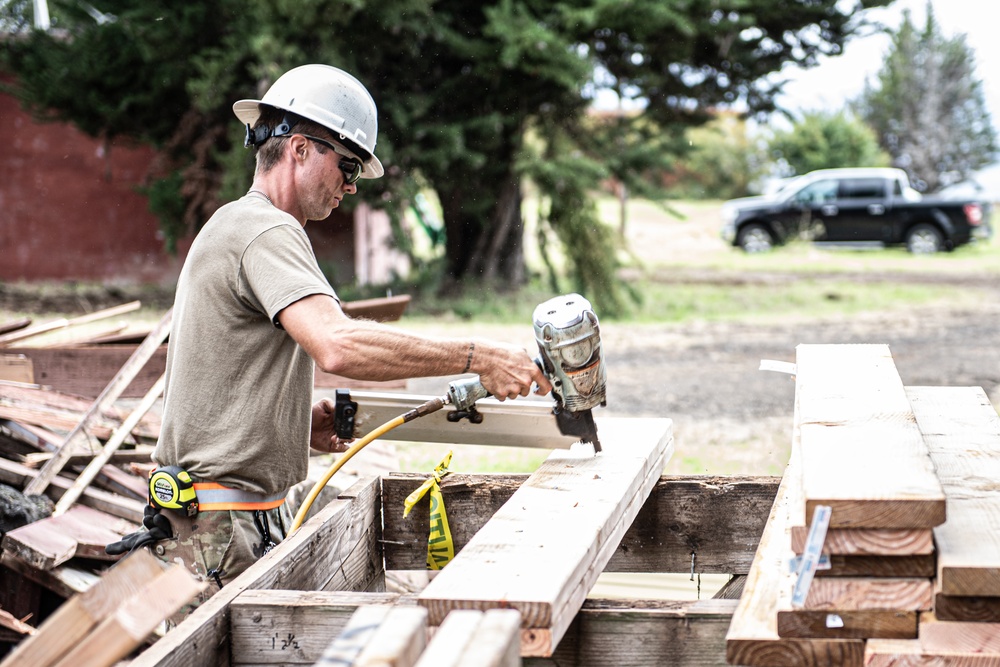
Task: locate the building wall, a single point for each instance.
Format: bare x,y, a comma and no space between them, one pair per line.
70,209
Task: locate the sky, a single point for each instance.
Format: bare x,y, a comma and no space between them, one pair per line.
842,77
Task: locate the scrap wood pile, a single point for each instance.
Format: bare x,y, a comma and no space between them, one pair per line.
73,474
883,545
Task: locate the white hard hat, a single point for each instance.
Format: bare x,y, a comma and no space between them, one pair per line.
329,96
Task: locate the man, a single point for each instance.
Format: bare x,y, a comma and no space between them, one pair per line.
253,315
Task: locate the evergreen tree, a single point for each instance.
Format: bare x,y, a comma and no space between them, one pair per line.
460,87
827,140
927,106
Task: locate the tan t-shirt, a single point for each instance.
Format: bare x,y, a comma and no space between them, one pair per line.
237,406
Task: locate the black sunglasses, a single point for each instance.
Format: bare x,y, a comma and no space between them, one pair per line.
352,168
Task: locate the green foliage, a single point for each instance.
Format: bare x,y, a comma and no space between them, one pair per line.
459,85
927,106
725,160
827,140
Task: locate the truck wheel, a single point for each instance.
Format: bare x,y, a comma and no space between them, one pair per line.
924,239
755,238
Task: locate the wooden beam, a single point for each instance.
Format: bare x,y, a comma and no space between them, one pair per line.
880,566
135,618
80,533
79,615
525,422
113,443
715,522
104,401
544,549
21,334
339,548
87,369
18,475
870,541
293,627
476,639
16,368
980,609
862,452
957,644
379,636
962,430
753,638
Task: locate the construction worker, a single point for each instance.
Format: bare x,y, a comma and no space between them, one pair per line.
253,316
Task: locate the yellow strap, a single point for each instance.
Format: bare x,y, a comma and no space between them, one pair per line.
440,549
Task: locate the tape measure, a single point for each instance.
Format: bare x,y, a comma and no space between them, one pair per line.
172,488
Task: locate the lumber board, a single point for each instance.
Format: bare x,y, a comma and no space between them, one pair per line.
525,422
862,452
113,443
338,548
85,370
962,430
82,532
753,638
64,580
854,624
16,368
857,593
880,566
715,520
18,475
980,609
79,615
544,549
60,323
380,309
107,398
869,541
941,643
379,637
135,618
14,325
136,454
281,627
470,638
605,633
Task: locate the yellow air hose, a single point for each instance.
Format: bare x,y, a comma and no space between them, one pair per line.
430,406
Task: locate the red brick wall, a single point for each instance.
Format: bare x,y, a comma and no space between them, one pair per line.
70,211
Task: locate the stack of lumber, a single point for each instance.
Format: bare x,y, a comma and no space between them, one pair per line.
112,618
82,360
866,448
962,431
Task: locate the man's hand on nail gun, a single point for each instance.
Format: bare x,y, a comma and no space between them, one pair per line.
506,371
323,436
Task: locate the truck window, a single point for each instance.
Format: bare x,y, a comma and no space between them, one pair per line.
862,188
817,193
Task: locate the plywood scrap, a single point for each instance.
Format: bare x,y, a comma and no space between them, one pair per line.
544,549
862,452
379,636
113,617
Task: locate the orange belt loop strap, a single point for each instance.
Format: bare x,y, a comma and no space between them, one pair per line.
215,497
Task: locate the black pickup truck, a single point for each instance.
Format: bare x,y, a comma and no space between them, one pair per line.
854,206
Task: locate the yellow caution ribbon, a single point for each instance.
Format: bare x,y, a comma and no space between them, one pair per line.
440,549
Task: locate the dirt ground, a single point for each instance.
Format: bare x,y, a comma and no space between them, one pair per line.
729,417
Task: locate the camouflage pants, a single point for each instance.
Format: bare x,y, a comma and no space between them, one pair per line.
217,547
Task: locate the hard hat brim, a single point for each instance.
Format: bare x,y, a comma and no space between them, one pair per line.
248,111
